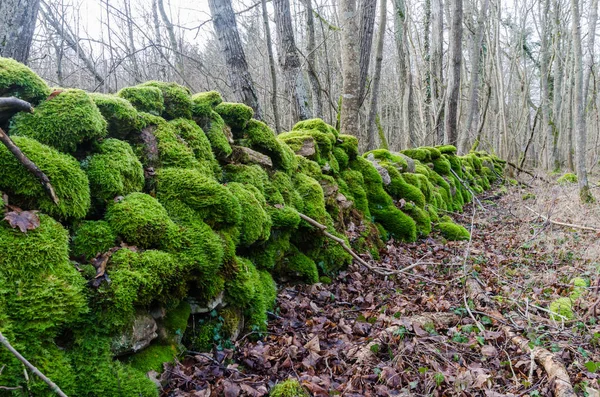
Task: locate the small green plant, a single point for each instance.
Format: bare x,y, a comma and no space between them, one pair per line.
439,378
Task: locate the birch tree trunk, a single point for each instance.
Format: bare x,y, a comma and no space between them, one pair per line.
350,69
17,25
471,124
405,74
436,60
317,102
289,61
231,45
455,59
367,22
272,70
371,124
580,123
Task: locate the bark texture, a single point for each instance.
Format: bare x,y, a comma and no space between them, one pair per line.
367,22
371,124
455,60
272,70
311,58
17,25
231,45
350,69
436,58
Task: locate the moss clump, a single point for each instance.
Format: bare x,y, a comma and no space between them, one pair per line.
283,183
255,223
113,171
139,219
311,194
92,238
69,181
152,358
567,178
63,122
420,216
235,115
316,124
442,166
204,102
385,155
175,323
213,126
420,154
579,287
144,98
121,116
284,217
297,267
177,99
262,138
400,189
447,149
356,185
452,231
562,307
18,80
349,145
196,140
288,388
210,201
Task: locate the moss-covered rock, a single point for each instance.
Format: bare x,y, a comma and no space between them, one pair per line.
69,181
63,122
288,388
211,122
297,267
140,220
255,222
235,115
177,99
452,231
145,99
122,118
262,138
563,309
196,140
113,170
316,124
92,238
18,80
567,178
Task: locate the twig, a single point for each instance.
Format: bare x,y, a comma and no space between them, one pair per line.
527,172
29,165
547,219
468,188
52,385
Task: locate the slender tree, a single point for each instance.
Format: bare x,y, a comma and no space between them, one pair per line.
17,25
229,39
289,61
367,22
371,124
272,71
455,60
311,61
350,69
436,67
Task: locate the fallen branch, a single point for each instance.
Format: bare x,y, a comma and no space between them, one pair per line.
527,172
11,105
29,165
4,342
547,219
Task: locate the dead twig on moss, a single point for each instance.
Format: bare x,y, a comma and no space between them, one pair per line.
29,165
547,219
468,188
4,342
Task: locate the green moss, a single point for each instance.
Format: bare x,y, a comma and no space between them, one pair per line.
204,102
447,149
233,320
267,255
562,307
144,99
349,145
283,183
385,155
342,157
420,216
92,238
324,141
241,289
263,301
248,175
63,122
261,138
356,186
452,231
122,118
288,388
209,200
139,219
177,99
580,285
69,181
418,154
284,217
434,153
298,267
442,166
113,171
311,194
400,189
204,335
255,223
235,115
196,140
18,80
567,178
316,124
152,358
172,150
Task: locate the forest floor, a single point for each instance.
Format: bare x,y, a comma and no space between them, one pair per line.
421,332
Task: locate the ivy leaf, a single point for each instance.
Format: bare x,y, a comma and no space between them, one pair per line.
24,220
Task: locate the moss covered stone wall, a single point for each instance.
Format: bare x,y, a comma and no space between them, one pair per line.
151,183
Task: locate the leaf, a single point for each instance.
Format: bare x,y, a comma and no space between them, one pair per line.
592,366
24,220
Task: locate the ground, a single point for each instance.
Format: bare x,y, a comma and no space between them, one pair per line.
417,333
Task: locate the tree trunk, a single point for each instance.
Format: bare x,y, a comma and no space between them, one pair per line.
405,74
544,74
580,123
289,61
350,69
172,37
471,124
367,21
436,62
317,102
231,45
455,59
371,124
272,71
17,25
557,90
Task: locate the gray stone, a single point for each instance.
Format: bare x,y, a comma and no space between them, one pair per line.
137,337
215,303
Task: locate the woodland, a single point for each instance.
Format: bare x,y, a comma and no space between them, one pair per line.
298,198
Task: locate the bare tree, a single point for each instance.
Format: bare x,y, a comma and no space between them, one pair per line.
17,24
455,60
436,67
289,61
231,45
371,124
272,71
350,69
311,61
367,21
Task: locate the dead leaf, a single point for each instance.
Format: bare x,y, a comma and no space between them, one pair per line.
24,220
230,389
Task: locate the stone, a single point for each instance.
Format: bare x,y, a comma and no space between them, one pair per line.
245,155
137,337
215,303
